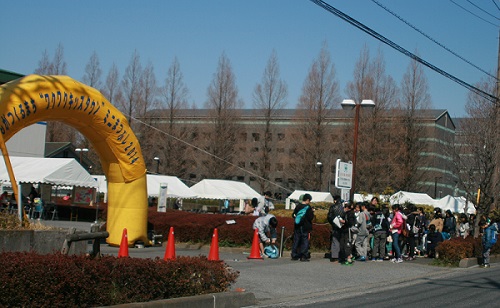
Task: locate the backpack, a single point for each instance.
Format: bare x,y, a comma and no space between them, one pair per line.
491,235
271,251
299,217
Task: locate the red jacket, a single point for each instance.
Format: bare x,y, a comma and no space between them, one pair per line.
397,222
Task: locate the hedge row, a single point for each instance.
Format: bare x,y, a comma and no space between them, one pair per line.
32,280
198,228
455,249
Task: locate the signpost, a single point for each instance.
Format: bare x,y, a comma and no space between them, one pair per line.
162,198
343,178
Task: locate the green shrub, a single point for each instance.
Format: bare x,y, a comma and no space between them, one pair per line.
32,280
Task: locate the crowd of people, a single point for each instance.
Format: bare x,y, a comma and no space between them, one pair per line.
370,231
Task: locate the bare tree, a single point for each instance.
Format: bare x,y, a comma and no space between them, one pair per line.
111,88
147,100
93,72
318,98
172,152
414,97
59,66
131,87
56,131
219,138
476,149
44,65
269,98
375,167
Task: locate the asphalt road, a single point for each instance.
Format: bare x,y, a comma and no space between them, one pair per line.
320,283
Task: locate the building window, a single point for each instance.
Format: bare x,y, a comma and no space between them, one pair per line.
255,136
278,180
254,166
241,178
279,167
281,137
269,137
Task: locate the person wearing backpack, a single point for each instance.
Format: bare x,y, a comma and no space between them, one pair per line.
336,216
303,215
381,228
490,234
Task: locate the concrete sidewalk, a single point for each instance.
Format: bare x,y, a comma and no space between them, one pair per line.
283,282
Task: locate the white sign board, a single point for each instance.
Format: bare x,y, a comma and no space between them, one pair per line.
162,198
343,175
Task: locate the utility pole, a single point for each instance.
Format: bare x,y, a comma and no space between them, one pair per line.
496,173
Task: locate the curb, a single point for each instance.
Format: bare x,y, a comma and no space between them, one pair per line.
470,262
225,299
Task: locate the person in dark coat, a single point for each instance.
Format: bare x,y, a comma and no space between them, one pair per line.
434,237
302,230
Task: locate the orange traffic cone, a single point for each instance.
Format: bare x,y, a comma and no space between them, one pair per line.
214,247
170,251
123,252
255,252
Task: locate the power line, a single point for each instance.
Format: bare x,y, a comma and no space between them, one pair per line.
433,40
208,153
390,43
496,4
479,8
473,14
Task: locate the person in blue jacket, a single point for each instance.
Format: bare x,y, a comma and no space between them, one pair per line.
490,231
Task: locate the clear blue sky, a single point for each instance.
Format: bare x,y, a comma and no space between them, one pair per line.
197,32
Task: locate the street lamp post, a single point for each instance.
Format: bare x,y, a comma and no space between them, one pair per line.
435,185
349,104
80,150
157,164
320,166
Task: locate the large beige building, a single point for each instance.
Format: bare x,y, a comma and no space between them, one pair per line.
435,172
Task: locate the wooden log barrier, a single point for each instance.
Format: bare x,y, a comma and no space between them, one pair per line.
93,235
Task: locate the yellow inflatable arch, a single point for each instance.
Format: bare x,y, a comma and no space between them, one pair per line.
35,98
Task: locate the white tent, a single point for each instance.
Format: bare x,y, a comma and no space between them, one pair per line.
455,204
223,189
175,187
416,198
53,171
317,196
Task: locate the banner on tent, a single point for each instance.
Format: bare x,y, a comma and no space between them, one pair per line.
162,198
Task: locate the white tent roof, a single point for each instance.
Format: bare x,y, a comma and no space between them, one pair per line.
455,204
317,196
175,187
223,189
54,171
102,184
415,198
